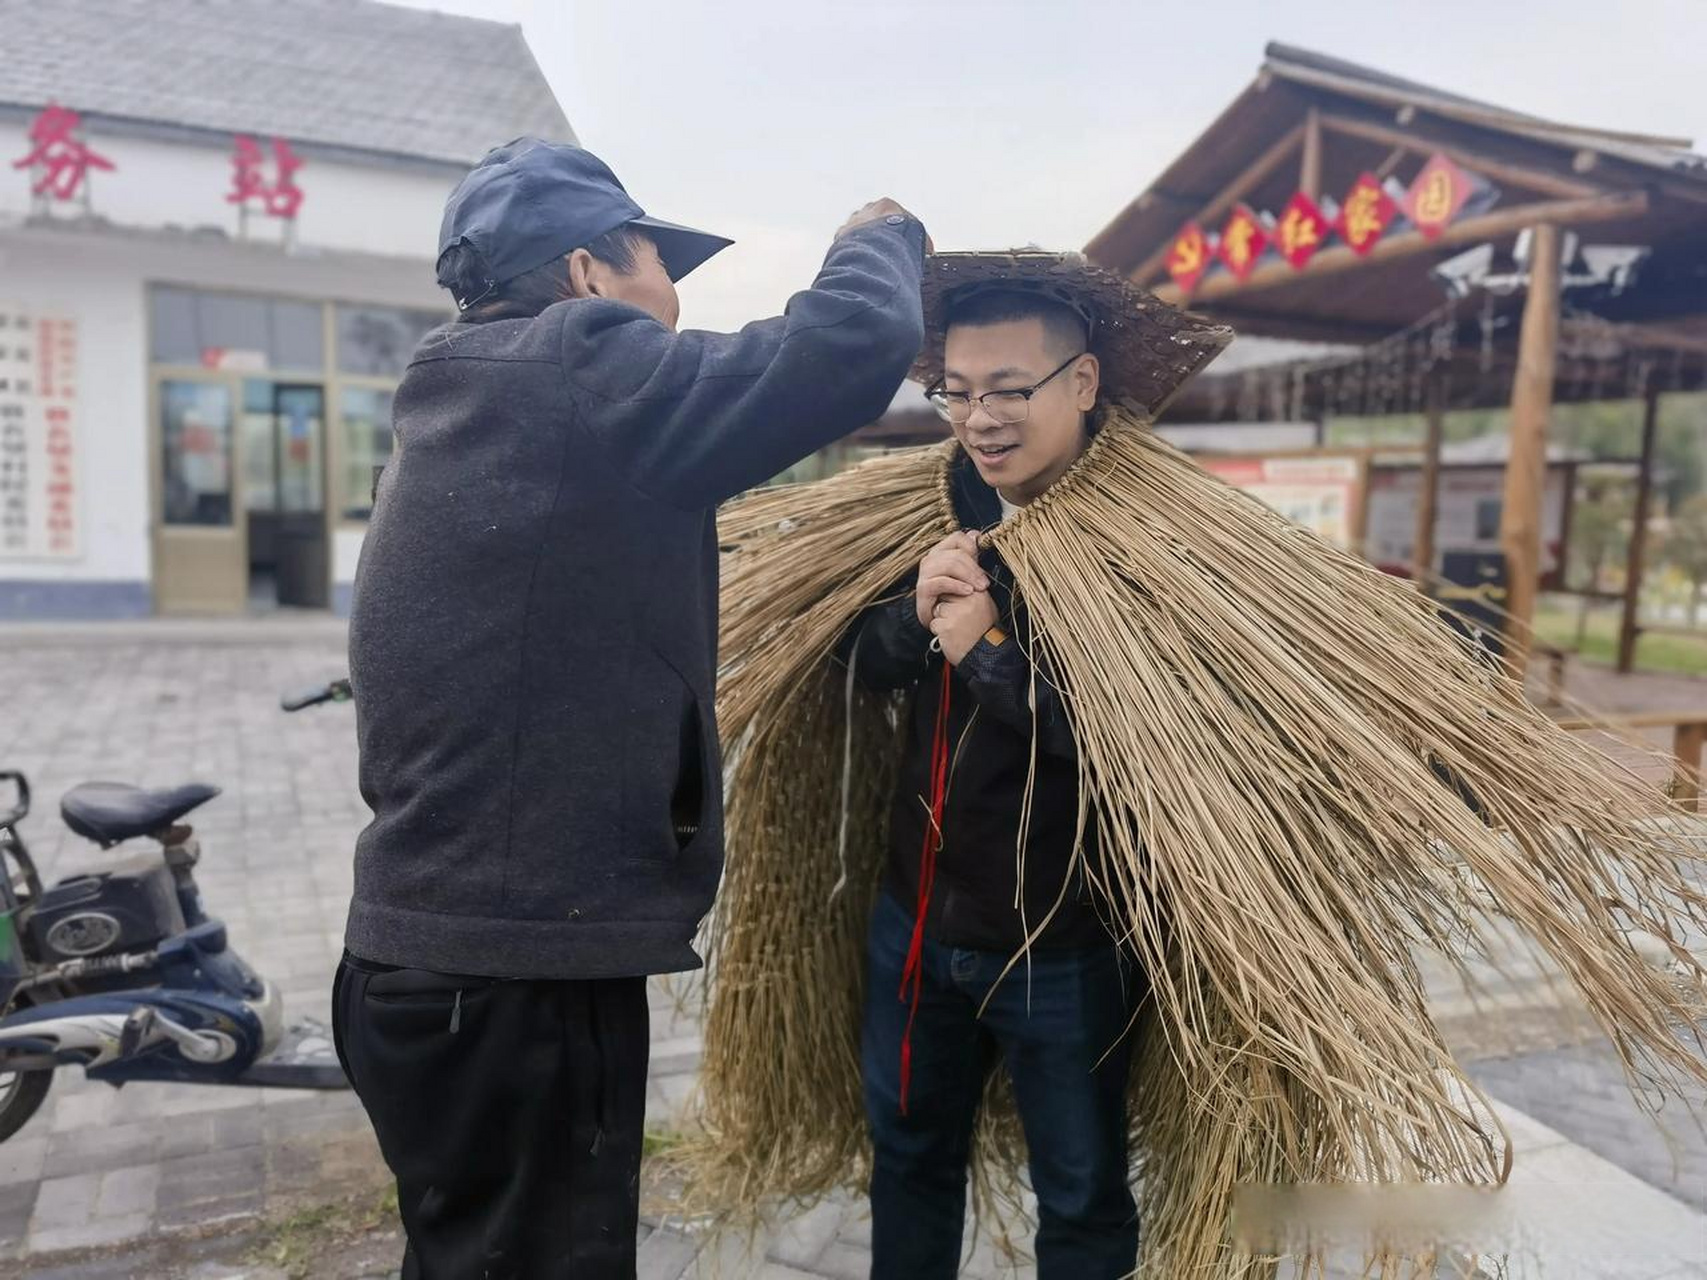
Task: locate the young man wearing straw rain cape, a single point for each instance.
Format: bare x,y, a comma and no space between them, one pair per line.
1273,745
982,867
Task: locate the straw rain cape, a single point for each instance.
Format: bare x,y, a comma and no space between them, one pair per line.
1260,718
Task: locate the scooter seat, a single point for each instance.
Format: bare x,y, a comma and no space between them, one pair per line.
108,812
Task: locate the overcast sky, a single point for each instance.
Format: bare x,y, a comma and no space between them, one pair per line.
1004,123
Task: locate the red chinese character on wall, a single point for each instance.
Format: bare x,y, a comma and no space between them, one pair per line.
61,485
65,159
281,197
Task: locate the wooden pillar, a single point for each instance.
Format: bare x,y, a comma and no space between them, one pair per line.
1688,742
1526,467
1628,631
1310,170
1428,495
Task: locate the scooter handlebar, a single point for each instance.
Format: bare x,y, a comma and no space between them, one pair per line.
13,816
336,691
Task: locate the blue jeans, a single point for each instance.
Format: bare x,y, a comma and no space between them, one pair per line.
1053,1031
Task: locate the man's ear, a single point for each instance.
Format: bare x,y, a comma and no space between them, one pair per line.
1087,379
583,275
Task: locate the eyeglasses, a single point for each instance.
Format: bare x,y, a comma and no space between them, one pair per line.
1007,407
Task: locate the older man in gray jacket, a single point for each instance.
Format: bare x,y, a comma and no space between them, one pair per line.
533,650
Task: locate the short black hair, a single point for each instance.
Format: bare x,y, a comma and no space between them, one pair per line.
1065,330
463,271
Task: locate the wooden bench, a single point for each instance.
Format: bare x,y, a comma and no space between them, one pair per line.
1689,739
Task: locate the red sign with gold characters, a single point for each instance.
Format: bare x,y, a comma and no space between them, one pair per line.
1437,195
1367,213
1300,231
1242,242
1188,257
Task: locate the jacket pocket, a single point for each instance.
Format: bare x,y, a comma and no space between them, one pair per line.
667,771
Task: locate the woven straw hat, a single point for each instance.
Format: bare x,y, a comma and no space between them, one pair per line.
1147,349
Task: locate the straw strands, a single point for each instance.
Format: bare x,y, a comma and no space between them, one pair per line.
1263,725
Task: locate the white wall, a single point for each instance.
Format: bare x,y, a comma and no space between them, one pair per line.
364,233
361,209
100,278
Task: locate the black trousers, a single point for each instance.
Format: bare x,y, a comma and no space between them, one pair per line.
511,1112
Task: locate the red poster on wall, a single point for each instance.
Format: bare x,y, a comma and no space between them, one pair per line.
1188,257
1301,230
39,460
1437,195
1242,242
1367,213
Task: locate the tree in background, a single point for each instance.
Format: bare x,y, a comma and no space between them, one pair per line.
1685,548
1599,537
1604,429
1614,430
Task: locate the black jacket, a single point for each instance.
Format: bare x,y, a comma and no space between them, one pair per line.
534,633
994,703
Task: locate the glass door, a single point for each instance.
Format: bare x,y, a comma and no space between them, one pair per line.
284,436
304,547
198,544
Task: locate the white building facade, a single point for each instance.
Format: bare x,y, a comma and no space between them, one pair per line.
199,340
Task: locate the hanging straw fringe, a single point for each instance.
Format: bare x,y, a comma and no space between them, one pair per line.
852,687
1259,717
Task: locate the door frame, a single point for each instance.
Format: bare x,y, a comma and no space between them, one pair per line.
321,389
236,535
232,539
332,381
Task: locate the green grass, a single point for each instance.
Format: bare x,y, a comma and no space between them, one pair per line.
302,1242
292,1245
658,1142
298,1244
1670,652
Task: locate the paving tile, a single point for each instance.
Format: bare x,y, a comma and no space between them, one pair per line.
730,1257
842,1261
665,1255
1580,1093
92,1150
90,1234
802,1237
134,1263
79,1108
66,1202
22,1159
278,866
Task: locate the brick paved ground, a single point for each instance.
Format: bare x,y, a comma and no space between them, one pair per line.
1580,1091
165,703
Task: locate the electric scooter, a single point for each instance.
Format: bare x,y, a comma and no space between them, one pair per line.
122,972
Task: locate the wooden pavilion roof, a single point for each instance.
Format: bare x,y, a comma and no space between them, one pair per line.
1312,123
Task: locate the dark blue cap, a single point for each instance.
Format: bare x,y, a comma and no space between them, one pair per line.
530,201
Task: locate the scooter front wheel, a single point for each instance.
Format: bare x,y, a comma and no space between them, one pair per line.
21,1096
